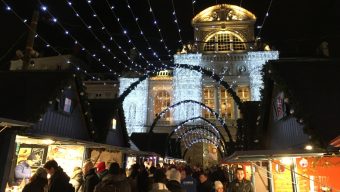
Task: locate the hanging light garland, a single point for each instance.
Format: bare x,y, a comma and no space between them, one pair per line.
125,32
76,42
24,21
159,30
104,46
264,20
136,19
176,22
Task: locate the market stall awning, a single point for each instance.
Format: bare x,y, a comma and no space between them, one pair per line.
262,155
4,122
88,144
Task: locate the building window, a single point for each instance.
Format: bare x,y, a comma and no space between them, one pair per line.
224,41
114,123
67,105
227,104
243,92
209,100
162,102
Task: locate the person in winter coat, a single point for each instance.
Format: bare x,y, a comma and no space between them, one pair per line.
38,182
59,181
22,172
101,170
240,184
77,179
205,184
91,179
159,181
187,181
113,181
132,179
174,183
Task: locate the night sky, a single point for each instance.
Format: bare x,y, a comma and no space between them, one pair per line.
294,27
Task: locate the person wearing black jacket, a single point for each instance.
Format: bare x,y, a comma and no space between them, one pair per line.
59,181
204,184
38,182
240,184
91,179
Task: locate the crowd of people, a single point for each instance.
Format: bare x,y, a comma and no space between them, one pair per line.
113,178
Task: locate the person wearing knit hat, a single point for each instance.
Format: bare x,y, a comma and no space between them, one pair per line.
101,170
218,186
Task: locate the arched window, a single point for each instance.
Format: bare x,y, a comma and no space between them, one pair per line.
161,102
224,41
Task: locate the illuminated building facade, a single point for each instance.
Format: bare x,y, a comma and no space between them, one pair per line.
224,44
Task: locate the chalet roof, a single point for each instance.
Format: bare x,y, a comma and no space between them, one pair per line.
25,96
312,87
103,111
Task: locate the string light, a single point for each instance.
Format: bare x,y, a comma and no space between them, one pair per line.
83,48
43,8
103,45
47,44
129,39
159,30
217,116
142,33
193,7
176,21
264,19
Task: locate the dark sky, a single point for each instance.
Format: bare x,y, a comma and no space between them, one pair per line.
294,27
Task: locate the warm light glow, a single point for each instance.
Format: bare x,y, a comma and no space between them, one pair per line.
309,147
233,12
48,141
286,161
114,123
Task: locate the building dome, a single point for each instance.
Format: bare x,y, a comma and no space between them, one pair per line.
223,12
224,28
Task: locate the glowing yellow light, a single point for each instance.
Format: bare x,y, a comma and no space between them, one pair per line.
309,147
114,122
286,161
47,141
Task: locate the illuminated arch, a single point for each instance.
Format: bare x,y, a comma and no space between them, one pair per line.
208,73
191,129
201,141
221,120
178,126
194,118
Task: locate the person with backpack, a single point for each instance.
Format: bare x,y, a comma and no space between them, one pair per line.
59,181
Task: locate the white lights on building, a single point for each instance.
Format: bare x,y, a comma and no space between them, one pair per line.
255,62
187,85
135,105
